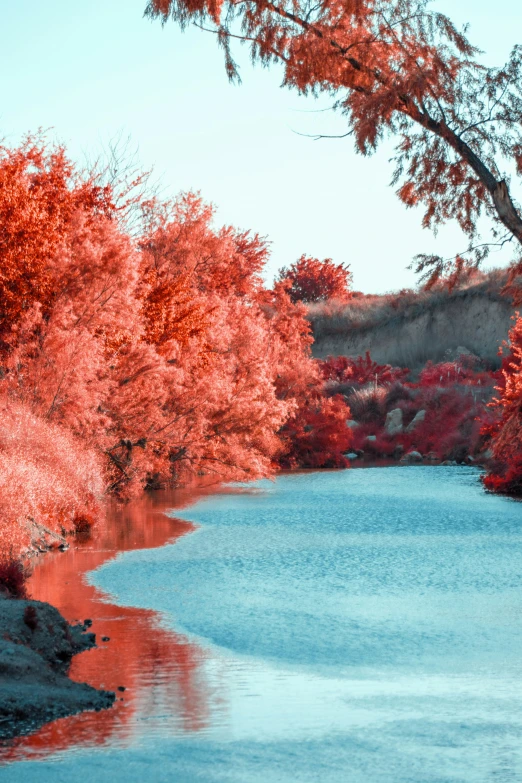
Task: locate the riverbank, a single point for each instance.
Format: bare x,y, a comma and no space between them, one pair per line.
36,648
126,637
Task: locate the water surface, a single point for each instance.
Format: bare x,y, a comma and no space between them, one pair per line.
363,625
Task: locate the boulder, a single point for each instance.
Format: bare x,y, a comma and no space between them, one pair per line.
371,438
416,421
393,425
351,456
352,424
412,456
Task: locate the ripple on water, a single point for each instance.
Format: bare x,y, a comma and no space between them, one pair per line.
360,625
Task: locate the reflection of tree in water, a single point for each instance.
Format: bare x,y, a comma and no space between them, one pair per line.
162,672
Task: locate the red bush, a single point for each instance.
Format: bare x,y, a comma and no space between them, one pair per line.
462,372
360,371
317,435
12,578
505,474
311,280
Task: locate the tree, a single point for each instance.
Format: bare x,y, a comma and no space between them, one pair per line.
39,195
312,280
395,67
505,474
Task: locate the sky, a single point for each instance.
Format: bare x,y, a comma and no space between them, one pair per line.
91,71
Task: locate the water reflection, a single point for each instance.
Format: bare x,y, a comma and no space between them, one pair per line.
160,670
359,625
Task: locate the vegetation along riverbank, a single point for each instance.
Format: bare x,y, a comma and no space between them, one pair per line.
141,347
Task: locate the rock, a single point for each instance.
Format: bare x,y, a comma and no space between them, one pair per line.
448,462
417,419
352,424
412,456
351,456
431,456
34,657
393,425
372,438
469,459
462,351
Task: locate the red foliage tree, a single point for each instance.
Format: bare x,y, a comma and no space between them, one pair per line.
505,474
396,68
39,194
129,363
312,280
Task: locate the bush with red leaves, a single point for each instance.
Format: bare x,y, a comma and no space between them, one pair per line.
317,435
505,474
463,371
12,578
311,280
360,371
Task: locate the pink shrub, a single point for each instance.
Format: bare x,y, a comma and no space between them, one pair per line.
46,477
360,371
463,372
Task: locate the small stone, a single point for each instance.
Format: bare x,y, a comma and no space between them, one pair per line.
352,424
470,459
372,438
412,456
351,456
417,419
393,425
106,638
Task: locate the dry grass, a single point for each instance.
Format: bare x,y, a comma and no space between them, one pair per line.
409,328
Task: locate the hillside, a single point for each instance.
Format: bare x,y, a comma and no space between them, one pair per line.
409,328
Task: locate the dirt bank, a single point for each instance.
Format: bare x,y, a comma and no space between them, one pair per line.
423,326
36,647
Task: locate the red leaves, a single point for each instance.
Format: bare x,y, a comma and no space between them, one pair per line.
311,280
12,577
38,197
506,435
360,371
129,364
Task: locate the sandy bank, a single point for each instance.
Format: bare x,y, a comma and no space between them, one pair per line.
36,647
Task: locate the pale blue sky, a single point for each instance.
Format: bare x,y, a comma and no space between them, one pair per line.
93,69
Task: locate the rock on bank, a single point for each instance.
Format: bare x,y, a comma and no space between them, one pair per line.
36,646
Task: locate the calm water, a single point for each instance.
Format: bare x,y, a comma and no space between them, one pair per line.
363,625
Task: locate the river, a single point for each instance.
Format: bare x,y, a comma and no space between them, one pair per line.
359,625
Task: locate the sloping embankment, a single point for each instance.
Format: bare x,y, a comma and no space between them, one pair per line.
36,646
424,326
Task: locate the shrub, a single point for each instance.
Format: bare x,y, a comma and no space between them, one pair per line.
46,476
368,405
360,371
12,577
311,280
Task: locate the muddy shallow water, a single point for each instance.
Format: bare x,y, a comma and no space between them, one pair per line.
331,626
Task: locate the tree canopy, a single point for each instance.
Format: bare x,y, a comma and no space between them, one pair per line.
399,68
